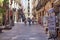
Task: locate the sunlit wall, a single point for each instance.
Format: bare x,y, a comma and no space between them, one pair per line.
25,7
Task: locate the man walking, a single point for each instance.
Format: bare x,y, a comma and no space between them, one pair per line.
29,20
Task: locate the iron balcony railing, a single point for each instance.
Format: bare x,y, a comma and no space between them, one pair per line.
41,4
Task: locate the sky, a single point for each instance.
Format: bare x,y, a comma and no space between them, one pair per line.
25,4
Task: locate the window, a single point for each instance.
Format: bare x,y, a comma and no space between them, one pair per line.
28,7
28,10
28,0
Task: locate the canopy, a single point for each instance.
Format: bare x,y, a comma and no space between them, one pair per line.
51,10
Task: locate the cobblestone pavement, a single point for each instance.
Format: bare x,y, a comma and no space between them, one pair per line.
24,32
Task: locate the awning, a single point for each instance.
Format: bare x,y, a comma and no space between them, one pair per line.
18,1
38,7
51,10
57,2
41,4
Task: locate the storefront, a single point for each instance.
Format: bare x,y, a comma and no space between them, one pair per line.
40,15
57,11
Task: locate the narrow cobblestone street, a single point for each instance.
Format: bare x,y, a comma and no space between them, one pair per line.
29,19
24,32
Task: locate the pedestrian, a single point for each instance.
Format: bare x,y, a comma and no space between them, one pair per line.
4,19
39,20
33,20
29,20
11,18
25,21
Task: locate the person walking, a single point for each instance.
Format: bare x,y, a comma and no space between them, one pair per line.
29,20
25,21
33,20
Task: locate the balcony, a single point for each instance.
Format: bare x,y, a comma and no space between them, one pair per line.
41,4
57,3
